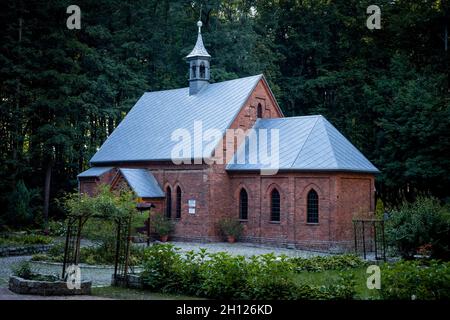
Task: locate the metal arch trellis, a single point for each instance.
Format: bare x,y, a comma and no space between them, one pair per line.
369,238
73,241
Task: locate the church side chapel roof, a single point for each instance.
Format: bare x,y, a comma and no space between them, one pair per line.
145,133
308,143
142,182
94,172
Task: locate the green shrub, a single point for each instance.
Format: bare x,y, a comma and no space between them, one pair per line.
422,223
230,227
163,226
270,277
18,239
223,276
161,268
416,280
317,264
40,257
35,239
56,228
23,270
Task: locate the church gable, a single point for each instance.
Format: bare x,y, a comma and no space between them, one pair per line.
260,104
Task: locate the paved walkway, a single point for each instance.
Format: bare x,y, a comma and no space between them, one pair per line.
100,276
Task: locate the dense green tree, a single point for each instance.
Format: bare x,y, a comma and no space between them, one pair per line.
62,92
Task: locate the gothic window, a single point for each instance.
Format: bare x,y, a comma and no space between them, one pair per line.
312,207
168,202
259,111
243,205
194,71
275,206
202,71
178,206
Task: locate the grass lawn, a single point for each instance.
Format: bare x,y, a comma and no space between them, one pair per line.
135,294
329,276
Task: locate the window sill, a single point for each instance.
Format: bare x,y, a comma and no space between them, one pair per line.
243,220
274,222
312,224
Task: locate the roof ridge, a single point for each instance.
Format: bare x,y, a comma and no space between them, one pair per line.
292,118
211,84
306,140
331,145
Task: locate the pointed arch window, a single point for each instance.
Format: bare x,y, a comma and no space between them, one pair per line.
178,204
194,71
259,111
275,206
202,71
243,204
168,202
312,207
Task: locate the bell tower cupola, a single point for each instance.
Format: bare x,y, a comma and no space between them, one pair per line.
198,60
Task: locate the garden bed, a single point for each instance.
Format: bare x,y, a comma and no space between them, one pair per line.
8,251
51,287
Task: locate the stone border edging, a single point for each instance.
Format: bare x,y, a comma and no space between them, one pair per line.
8,251
46,288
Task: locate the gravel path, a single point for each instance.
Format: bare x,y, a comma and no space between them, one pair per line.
100,276
244,249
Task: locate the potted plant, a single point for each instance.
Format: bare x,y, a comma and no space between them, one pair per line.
163,226
231,229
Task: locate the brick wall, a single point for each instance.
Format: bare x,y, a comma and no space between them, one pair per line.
341,197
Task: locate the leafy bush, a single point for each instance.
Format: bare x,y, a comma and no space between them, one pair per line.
230,227
223,276
424,222
163,226
338,262
56,228
270,277
416,280
23,270
161,263
18,239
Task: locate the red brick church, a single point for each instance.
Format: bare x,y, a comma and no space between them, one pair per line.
322,181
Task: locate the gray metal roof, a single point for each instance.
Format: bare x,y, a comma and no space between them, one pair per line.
199,49
145,133
306,143
94,172
142,182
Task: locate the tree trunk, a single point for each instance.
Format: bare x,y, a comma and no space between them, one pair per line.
48,177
